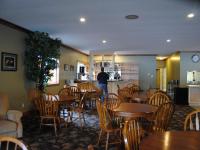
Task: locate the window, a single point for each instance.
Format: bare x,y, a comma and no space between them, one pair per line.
55,78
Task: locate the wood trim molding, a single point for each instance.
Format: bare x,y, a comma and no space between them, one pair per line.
19,28
14,26
130,55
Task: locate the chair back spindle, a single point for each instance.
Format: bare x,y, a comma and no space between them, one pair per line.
192,121
131,133
11,143
159,98
163,117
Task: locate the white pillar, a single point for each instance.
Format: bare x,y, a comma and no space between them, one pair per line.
113,62
102,60
91,69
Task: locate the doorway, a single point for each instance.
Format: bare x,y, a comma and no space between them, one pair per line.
161,79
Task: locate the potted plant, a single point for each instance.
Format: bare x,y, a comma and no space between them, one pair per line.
41,56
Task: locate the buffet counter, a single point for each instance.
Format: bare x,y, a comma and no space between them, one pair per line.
112,84
194,95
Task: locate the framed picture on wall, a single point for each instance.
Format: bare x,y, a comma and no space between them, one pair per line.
66,67
71,68
8,61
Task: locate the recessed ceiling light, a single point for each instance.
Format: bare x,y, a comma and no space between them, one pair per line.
161,57
190,15
168,40
104,41
131,17
82,19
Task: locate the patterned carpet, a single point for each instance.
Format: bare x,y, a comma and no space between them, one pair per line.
75,138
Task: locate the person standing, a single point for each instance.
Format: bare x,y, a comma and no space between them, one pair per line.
102,79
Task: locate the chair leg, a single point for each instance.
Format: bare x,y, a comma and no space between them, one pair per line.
71,116
59,122
41,120
79,116
55,128
83,118
120,132
107,139
99,136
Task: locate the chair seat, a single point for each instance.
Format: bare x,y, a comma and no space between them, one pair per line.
49,116
7,126
112,129
78,110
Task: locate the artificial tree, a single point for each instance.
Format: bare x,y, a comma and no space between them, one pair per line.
41,56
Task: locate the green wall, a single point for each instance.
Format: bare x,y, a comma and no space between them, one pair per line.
14,83
173,67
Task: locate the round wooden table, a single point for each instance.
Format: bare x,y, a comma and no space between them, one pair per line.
131,110
67,100
65,104
172,140
91,96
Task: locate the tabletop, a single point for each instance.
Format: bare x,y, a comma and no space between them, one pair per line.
172,140
140,97
130,110
67,99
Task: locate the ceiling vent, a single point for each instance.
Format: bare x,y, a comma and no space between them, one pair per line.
131,17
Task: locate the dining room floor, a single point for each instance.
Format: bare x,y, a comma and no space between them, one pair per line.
73,137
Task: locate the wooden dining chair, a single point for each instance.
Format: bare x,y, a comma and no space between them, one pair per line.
131,134
163,117
11,143
64,92
75,91
94,95
84,86
192,121
90,147
159,98
80,109
150,92
133,89
48,110
49,96
124,94
65,109
91,96
33,93
107,125
112,101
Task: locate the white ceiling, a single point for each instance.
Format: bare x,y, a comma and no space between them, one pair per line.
158,21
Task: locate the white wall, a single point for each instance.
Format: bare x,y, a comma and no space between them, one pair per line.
147,66
186,64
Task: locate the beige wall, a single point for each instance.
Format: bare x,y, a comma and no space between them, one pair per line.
69,57
14,83
173,67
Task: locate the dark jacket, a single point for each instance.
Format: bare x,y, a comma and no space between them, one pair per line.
102,78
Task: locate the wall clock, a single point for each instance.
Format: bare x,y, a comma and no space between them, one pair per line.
195,58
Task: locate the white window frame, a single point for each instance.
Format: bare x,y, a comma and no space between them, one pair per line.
55,78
